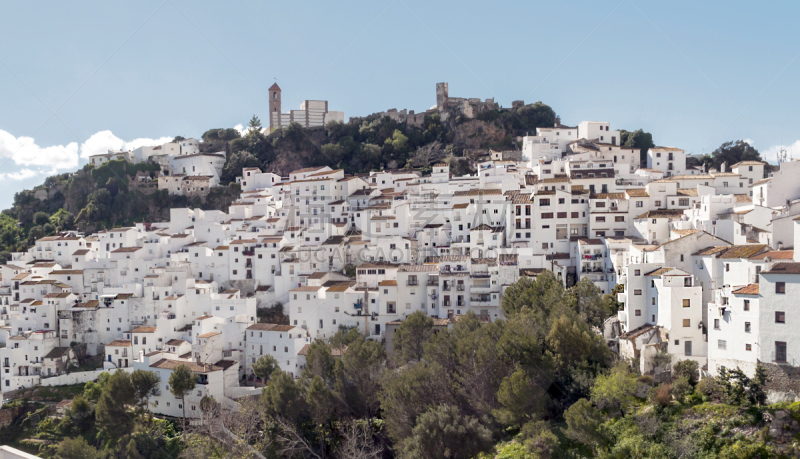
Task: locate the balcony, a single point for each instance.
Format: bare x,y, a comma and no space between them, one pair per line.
460,287
412,282
480,299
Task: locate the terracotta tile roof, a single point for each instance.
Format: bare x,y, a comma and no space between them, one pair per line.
775,255
388,283
261,327
784,268
637,193
607,196
711,250
209,334
743,251
66,271
306,288
659,272
477,192
341,286
126,250
743,198
120,343
661,213
144,330
687,191
750,289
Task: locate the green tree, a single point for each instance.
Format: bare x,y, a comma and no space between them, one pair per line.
181,382
283,397
410,336
145,384
637,139
321,401
75,448
756,390
80,414
571,342
319,361
40,218
614,390
541,296
62,220
589,303
443,432
522,399
583,424
254,125
264,367
363,365
731,153
408,392
539,439
688,369
114,418
610,299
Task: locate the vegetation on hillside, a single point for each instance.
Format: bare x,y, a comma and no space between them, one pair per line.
93,199
539,384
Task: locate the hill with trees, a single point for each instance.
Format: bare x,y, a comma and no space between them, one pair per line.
540,383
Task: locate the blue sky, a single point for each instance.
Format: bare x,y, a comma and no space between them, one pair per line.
121,74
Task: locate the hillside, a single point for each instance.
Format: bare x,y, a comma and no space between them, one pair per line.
93,199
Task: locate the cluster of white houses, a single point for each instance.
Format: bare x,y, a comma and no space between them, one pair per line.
705,259
183,168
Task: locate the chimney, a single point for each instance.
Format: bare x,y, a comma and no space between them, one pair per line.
723,167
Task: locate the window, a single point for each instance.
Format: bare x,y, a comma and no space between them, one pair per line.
619,219
748,347
687,281
722,344
638,312
686,303
637,292
547,215
746,305
687,322
780,317
637,272
727,267
780,351
780,287
639,203
716,324
747,327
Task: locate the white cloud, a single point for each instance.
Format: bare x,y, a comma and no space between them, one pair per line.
103,141
24,151
22,174
34,160
792,150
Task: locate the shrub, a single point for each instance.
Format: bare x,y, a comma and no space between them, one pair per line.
662,395
710,387
681,388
